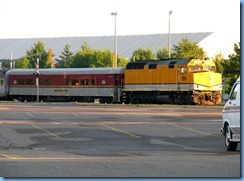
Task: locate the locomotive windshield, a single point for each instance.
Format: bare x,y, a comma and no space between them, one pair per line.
196,68
211,68
202,68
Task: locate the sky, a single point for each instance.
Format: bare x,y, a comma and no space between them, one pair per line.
72,18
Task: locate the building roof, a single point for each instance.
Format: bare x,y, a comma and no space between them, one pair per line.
127,44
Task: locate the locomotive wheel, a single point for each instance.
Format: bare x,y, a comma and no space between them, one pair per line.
199,101
134,100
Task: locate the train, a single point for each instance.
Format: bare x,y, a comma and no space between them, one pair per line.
171,81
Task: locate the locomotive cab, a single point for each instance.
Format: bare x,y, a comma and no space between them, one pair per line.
207,88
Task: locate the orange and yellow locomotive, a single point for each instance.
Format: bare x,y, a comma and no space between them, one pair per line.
176,81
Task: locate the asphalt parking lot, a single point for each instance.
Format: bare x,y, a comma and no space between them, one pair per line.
94,140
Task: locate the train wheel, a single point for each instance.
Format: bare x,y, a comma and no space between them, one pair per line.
199,101
134,100
21,99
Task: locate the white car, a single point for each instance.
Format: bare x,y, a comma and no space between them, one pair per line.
231,118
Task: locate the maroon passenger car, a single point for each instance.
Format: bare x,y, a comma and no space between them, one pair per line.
76,84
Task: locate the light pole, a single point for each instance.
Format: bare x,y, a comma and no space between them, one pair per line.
115,38
170,12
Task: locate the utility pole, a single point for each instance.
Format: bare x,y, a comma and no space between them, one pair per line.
37,80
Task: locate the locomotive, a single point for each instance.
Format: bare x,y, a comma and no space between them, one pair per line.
174,81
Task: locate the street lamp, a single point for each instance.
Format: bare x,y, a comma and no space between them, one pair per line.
170,12
115,38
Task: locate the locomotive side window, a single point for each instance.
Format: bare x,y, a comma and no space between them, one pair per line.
1,82
172,64
152,66
182,70
20,81
29,82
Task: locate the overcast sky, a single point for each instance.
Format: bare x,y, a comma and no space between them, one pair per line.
69,18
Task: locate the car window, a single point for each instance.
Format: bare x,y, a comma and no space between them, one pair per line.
234,92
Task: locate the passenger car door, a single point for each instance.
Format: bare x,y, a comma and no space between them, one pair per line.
2,87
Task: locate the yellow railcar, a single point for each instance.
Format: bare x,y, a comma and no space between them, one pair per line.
177,81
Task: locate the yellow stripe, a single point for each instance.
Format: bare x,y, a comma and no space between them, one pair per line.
47,131
121,131
76,115
194,130
8,155
128,154
29,114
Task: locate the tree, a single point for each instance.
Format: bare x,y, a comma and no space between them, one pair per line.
122,61
87,57
187,49
66,57
231,67
162,53
38,51
143,54
22,63
83,58
219,59
102,58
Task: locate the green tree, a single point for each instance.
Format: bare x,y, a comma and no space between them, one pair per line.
231,67
187,49
143,54
87,57
22,63
102,58
38,51
66,57
219,59
122,61
83,58
162,53
5,64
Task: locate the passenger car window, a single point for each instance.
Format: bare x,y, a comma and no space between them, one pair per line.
234,92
